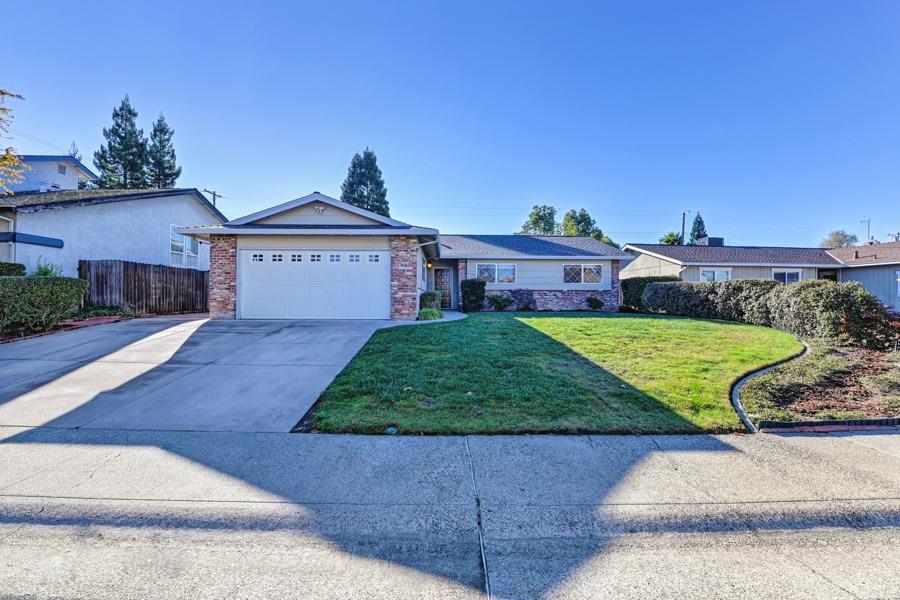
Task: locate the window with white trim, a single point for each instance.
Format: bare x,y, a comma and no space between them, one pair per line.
277,258
582,273
296,258
354,258
787,275
334,258
257,258
506,273
183,249
374,258
315,258
715,274
486,272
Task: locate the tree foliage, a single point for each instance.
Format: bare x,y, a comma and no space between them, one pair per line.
162,170
672,238
11,166
122,161
73,151
698,230
364,185
839,238
541,221
580,223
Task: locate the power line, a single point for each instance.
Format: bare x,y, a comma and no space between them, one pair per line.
35,138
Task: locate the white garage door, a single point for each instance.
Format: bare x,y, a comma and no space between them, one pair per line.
314,284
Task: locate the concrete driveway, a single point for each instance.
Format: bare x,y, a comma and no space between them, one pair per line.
176,373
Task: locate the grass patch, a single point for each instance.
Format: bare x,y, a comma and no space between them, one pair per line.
830,382
549,372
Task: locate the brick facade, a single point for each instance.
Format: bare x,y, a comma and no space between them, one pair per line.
404,295
563,299
222,276
461,273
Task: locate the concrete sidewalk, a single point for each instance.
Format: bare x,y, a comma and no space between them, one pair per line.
110,514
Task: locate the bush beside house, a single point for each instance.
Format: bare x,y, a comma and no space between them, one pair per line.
37,303
633,289
472,294
430,299
808,309
11,269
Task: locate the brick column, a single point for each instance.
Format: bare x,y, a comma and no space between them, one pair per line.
222,276
404,296
616,290
461,273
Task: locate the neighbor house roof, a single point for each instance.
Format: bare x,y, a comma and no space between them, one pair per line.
738,255
34,201
59,158
874,254
527,246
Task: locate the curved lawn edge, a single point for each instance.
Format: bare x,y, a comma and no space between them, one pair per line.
737,385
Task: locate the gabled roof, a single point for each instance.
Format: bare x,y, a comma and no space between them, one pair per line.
869,255
527,246
34,201
317,197
59,158
738,255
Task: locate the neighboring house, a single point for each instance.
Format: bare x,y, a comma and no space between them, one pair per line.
876,266
136,225
52,173
319,258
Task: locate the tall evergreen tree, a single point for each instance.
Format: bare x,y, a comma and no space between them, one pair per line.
541,221
162,172
698,230
123,160
364,185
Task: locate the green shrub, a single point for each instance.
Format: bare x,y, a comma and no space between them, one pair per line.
808,309
430,299
47,269
38,303
633,290
472,294
594,303
500,302
11,269
430,314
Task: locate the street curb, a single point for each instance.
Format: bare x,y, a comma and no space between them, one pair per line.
736,387
829,425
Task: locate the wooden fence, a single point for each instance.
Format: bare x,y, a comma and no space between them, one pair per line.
144,288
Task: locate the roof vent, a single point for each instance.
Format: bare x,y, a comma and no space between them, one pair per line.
711,241
856,254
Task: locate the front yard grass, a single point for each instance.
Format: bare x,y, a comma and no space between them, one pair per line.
549,372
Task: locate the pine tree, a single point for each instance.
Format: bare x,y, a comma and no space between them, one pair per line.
123,161
541,221
698,230
364,185
162,172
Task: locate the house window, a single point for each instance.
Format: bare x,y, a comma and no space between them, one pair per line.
296,258
506,273
582,273
374,258
257,258
354,258
315,258
61,169
183,250
715,274
787,275
486,273
277,258
334,258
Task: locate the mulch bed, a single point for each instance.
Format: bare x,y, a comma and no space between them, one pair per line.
844,391
66,325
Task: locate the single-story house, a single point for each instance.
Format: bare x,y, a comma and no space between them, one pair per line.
319,258
63,227
876,266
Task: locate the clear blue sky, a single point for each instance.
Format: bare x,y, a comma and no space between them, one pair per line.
777,120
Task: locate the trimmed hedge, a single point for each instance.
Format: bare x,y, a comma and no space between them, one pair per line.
430,314
11,269
633,290
38,303
594,303
808,309
472,294
500,302
430,299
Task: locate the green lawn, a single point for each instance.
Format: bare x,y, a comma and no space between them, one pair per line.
549,372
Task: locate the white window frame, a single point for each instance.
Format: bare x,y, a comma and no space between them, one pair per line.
374,258
189,258
799,273
496,269
582,267
715,271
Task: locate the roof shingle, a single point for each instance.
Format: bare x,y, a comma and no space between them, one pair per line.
726,255
36,200
499,246
874,254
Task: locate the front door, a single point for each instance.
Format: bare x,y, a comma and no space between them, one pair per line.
442,283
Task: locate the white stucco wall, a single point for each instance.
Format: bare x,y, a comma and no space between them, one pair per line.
135,230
